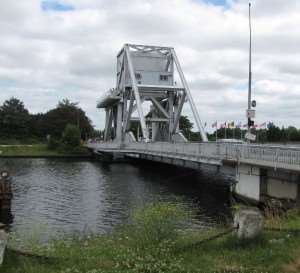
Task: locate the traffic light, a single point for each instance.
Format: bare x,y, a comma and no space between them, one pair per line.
250,122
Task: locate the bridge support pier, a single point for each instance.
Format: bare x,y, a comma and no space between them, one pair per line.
258,184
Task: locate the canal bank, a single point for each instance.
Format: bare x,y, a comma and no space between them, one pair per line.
158,239
55,198
40,151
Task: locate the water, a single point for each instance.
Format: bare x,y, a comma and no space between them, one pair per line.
63,196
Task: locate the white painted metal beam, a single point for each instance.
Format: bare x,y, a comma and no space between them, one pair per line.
137,95
128,114
189,97
159,107
178,114
150,119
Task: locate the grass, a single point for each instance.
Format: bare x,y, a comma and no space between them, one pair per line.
37,150
23,141
159,240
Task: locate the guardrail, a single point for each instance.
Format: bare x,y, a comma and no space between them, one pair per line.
274,156
265,153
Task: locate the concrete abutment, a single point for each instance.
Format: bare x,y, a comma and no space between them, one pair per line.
257,184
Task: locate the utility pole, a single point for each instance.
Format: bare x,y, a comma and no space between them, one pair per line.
250,68
250,112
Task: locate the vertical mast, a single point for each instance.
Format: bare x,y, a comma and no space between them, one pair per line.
250,66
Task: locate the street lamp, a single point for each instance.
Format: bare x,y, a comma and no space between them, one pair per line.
250,113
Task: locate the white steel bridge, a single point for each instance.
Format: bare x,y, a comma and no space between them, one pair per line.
151,76
275,157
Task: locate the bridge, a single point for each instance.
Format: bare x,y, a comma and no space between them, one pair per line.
150,80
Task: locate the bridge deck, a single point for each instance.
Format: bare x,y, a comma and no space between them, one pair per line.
281,157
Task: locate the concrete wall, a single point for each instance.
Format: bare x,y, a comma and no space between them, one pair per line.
248,182
282,189
254,183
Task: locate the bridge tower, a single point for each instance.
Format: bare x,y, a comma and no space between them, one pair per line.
148,76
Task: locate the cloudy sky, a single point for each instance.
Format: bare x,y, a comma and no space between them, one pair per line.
52,50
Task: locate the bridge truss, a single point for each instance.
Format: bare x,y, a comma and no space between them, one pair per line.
148,74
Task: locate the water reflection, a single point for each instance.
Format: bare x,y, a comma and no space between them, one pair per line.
67,196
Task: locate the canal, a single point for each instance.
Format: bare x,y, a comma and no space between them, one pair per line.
55,197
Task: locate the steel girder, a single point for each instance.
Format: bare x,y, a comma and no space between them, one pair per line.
146,73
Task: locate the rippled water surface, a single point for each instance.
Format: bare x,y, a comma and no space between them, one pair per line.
63,196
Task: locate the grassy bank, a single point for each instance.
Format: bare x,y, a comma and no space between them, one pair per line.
152,244
38,150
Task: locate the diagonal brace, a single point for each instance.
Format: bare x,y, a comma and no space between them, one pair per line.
159,107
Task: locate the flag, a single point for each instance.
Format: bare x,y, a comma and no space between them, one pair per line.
263,125
239,125
215,124
231,124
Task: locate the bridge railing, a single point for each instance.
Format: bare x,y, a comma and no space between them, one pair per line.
179,149
266,153
103,145
272,155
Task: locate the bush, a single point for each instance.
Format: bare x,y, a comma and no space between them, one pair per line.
9,141
53,143
157,223
71,138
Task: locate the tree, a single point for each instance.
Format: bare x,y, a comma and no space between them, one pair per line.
186,126
71,137
66,112
273,133
283,135
37,125
293,134
135,128
14,119
262,135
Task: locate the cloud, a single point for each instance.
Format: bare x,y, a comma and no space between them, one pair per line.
55,49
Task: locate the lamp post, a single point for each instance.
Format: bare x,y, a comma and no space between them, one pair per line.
250,72
251,104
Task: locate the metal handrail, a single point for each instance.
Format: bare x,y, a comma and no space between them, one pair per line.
274,154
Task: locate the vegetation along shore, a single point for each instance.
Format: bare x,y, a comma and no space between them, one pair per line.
40,150
159,239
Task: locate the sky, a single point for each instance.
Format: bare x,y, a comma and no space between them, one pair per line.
51,50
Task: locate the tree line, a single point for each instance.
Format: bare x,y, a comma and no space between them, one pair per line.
272,133
18,125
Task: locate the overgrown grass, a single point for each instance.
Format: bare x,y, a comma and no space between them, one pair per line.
38,150
23,141
158,240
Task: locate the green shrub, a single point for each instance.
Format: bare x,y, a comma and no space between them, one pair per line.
71,138
9,141
157,223
53,143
